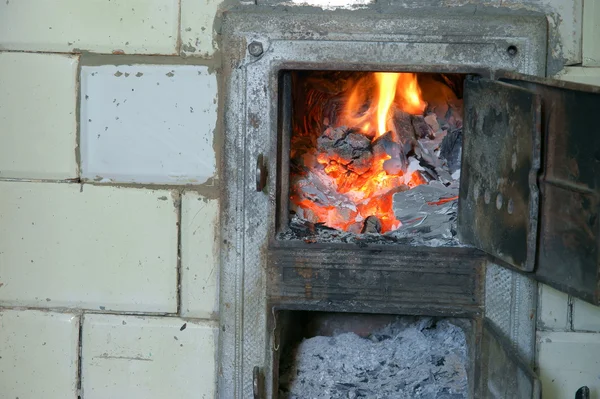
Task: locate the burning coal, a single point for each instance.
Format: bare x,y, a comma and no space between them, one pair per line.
360,138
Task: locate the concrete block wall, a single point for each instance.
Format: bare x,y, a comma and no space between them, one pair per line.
109,184
109,199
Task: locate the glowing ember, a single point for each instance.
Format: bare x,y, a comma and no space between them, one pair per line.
351,150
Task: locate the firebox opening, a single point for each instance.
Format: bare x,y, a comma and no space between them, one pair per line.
348,355
375,155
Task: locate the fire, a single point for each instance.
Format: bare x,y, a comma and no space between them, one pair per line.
366,185
386,83
410,94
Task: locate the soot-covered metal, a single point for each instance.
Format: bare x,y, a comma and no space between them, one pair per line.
264,272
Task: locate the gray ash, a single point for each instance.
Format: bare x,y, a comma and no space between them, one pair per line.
425,222
411,358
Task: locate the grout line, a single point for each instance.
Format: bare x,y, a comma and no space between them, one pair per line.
570,313
80,359
82,312
179,219
87,58
78,96
87,52
29,180
581,44
208,189
41,52
178,43
89,311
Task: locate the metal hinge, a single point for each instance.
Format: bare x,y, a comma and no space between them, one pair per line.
582,393
257,383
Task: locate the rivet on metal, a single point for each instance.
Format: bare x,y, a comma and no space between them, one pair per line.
261,173
255,48
512,50
256,382
510,207
487,196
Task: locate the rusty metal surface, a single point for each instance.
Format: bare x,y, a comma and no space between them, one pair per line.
569,238
504,373
414,280
498,205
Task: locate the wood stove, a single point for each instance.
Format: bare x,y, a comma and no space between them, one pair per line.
514,181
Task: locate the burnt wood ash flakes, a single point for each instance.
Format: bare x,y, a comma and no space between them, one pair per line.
411,358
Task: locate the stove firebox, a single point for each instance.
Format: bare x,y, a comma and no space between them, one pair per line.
322,161
361,141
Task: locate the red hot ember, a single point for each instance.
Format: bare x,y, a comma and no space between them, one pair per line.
359,138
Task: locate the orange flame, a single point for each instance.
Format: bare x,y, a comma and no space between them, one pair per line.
410,94
386,83
369,107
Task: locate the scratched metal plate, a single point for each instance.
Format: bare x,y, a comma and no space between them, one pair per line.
504,373
499,202
568,256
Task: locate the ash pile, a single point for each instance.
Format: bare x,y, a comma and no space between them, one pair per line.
411,358
349,183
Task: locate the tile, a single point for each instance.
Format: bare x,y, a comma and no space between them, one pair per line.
568,361
74,246
553,309
148,123
199,256
100,26
132,357
586,317
591,33
37,115
197,33
590,76
38,354
564,25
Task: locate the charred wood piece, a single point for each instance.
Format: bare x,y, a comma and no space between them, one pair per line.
404,131
371,225
450,149
385,145
421,128
345,147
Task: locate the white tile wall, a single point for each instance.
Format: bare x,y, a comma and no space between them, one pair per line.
567,20
568,361
591,33
197,33
553,309
147,358
37,115
67,245
590,76
38,355
586,317
199,256
148,123
102,26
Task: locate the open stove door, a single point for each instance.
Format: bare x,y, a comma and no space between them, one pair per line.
530,183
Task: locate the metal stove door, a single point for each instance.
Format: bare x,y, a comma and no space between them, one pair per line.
504,374
530,184
499,200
